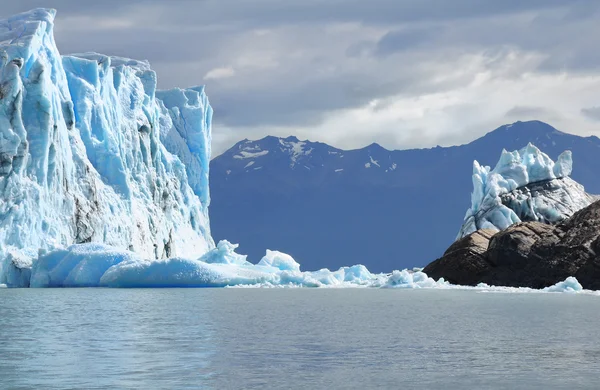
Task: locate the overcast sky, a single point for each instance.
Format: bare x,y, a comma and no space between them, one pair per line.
402,73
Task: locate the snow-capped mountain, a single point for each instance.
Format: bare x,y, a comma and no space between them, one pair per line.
385,209
90,151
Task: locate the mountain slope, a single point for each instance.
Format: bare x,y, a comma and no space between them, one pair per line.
386,209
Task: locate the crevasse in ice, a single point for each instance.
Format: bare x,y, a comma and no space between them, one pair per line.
90,153
525,185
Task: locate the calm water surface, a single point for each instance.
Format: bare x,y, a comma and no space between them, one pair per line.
236,338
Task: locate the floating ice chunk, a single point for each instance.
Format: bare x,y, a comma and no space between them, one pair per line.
224,253
570,284
77,266
357,274
279,260
178,272
15,269
407,279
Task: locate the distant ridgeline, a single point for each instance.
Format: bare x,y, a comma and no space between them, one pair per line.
90,151
385,209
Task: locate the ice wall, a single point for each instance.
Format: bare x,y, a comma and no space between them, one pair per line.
525,185
88,153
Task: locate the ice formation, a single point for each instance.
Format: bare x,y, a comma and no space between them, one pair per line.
97,265
91,152
525,185
104,179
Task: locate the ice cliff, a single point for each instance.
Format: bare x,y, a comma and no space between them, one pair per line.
90,151
525,185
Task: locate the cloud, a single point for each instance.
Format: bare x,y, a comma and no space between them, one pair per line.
406,39
528,112
219,73
411,73
592,113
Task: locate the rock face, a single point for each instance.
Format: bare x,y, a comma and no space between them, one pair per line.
465,260
527,254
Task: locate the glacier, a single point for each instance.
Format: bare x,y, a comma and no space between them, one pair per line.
525,185
104,180
90,151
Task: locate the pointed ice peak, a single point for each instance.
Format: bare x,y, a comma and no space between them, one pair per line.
564,164
514,170
22,34
34,15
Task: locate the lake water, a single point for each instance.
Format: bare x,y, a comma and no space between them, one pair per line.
297,338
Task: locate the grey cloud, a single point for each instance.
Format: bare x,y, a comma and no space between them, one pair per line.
156,46
303,103
406,39
592,113
528,112
271,12
392,48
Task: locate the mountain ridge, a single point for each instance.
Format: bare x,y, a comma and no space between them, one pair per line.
549,130
313,208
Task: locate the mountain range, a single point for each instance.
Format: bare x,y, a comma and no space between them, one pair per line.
386,209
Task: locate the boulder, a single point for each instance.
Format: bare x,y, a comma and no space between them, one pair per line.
528,254
464,262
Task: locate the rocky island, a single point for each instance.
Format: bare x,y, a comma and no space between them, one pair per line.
531,233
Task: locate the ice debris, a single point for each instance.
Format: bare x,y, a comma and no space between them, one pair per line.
98,265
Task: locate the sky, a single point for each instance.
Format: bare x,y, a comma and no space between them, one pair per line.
402,73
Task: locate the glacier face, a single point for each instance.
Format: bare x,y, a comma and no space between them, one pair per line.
90,153
525,185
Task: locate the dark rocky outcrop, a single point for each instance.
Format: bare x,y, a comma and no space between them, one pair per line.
528,254
464,262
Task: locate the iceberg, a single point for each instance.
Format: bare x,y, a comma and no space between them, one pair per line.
525,185
570,284
91,152
279,260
